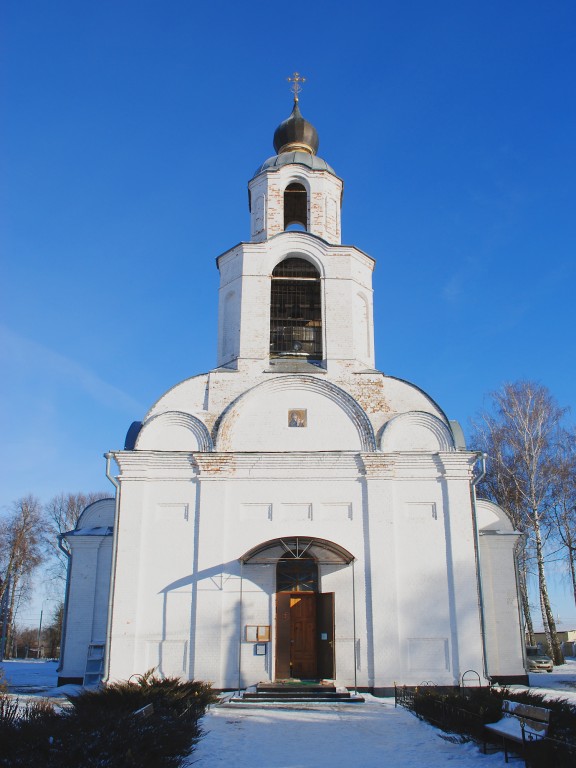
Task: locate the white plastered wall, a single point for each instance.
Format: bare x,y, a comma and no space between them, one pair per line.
498,542
416,594
423,575
190,593
88,586
152,605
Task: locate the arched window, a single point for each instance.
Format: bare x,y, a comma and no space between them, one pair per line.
297,575
295,207
296,311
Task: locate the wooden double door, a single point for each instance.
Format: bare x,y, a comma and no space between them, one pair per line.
304,635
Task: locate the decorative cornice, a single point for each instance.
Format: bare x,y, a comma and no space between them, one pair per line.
155,465
378,465
300,465
304,466
457,465
423,465
177,465
300,242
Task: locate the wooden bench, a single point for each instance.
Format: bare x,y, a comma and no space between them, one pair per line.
520,723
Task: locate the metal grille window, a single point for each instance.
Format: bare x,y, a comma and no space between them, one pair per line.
295,311
297,575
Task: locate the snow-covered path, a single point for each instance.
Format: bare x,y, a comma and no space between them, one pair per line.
371,735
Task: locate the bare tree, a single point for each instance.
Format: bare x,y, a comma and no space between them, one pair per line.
23,534
62,512
522,435
563,517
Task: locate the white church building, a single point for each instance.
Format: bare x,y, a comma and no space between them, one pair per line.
294,513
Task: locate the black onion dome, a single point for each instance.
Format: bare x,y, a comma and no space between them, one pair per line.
296,134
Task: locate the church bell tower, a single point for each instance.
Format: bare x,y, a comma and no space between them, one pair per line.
293,298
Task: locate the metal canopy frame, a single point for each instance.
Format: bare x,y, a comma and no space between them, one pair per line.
325,552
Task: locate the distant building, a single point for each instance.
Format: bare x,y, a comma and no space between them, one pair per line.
295,513
565,636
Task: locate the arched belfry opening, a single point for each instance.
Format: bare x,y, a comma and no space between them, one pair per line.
296,310
295,207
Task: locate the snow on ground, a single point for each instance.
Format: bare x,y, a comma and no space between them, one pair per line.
559,684
339,735
29,675
336,735
313,736
28,678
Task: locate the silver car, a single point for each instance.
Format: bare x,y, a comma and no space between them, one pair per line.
538,661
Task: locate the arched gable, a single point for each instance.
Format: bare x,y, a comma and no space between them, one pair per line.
324,418
99,514
174,431
416,431
491,517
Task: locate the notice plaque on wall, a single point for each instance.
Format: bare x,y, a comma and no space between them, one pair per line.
257,633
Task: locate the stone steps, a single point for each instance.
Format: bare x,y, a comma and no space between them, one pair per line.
295,693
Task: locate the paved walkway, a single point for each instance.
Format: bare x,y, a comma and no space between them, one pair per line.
370,735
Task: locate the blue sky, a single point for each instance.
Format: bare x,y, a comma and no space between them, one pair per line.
131,129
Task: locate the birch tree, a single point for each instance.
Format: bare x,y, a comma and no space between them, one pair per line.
23,534
521,432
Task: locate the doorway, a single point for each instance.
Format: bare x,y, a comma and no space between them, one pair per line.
304,622
308,626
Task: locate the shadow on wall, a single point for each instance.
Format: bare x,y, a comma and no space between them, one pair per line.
432,586
433,629
190,586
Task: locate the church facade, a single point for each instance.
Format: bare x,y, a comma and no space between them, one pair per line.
295,513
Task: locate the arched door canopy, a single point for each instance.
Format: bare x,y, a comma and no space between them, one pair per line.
295,547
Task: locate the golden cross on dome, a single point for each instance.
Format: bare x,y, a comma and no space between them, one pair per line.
296,79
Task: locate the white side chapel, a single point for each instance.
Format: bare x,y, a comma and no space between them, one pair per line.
294,513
